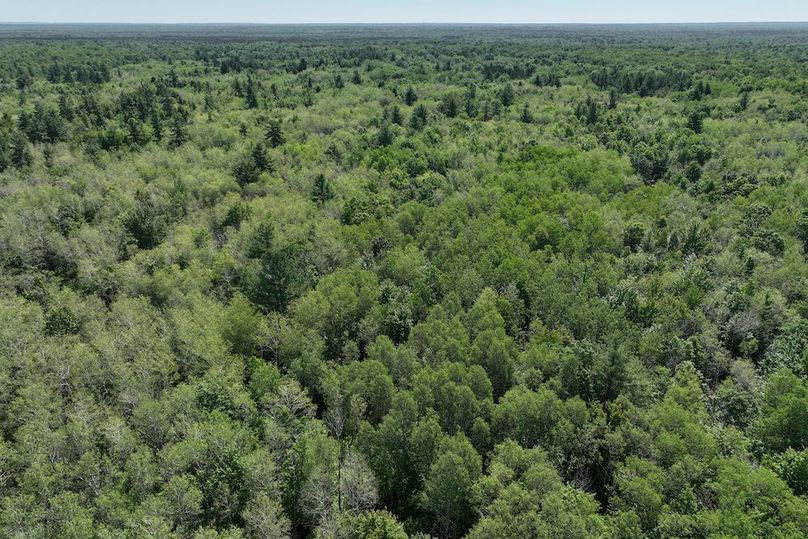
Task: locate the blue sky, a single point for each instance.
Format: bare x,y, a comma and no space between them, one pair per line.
514,11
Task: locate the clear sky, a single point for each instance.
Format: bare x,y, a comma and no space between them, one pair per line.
336,11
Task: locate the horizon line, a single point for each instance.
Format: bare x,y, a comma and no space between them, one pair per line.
401,23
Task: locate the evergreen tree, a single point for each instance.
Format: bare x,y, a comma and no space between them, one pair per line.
449,106
322,191
179,121
385,135
470,103
251,94
507,95
274,134
261,159
21,156
526,116
743,103
612,99
395,116
410,97
156,125
302,65
588,111
419,117
695,121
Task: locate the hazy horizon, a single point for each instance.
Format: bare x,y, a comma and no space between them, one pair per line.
414,12
403,23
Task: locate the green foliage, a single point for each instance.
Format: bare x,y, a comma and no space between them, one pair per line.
147,221
322,191
802,230
792,467
523,496
448,486
783,423
419,117
390,282
507,95
410,97
274,134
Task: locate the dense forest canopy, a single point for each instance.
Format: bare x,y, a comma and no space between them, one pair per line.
403,281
